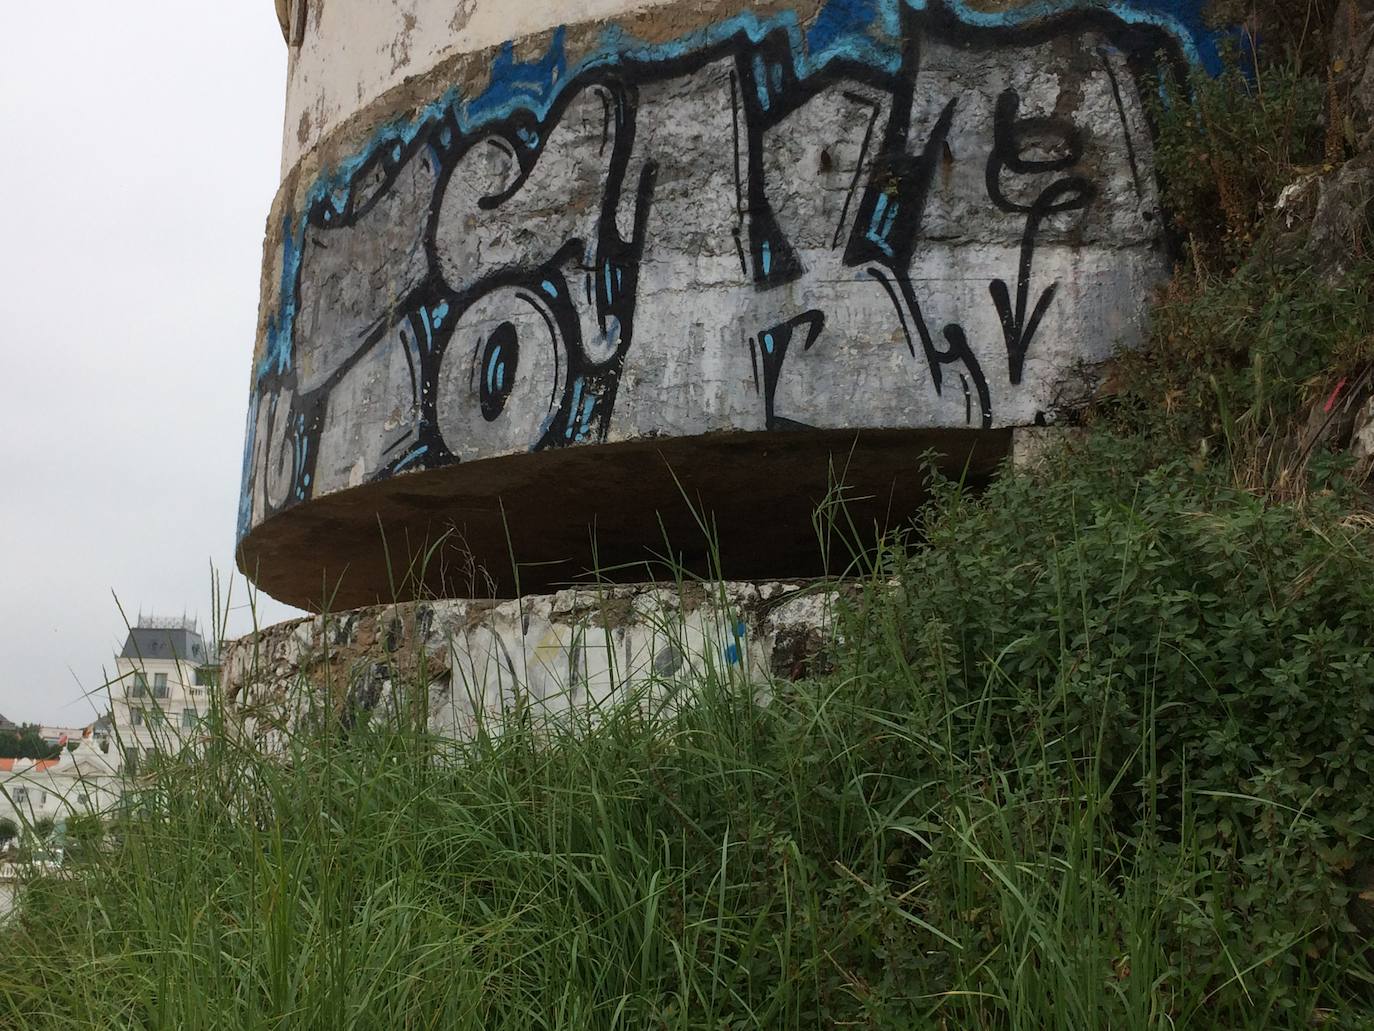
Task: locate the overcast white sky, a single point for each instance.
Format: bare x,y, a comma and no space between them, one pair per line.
141,145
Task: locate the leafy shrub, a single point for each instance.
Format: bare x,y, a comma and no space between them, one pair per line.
1225,149
1247,338
1199,654
1246,355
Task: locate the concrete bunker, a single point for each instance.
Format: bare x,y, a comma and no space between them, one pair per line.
546,293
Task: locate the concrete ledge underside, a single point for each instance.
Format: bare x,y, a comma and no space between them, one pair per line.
535,522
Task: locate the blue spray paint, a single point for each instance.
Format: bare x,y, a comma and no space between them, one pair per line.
734,652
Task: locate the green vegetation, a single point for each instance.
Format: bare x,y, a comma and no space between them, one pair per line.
1226,149
82,833
26,743
1102,760
1263,342
1099,753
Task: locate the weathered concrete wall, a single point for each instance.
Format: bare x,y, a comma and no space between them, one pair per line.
555,654
351,52
686,220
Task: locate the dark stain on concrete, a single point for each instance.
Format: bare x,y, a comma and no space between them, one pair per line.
633,510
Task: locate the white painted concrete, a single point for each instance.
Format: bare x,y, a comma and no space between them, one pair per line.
552,655
353,51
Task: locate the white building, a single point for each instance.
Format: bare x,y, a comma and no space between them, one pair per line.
158,698
84,779
161,690
58,735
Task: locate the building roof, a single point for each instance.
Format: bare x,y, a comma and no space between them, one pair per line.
156,642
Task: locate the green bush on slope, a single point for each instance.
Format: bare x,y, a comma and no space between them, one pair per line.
1101,760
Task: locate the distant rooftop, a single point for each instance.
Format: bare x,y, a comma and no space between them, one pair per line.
166,623
177,638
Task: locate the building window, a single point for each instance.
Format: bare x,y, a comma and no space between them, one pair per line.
136,717
20,795
82,798
203,677
188,718
159,685
131,759
140,685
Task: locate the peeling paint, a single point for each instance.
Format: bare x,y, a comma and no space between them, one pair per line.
566,653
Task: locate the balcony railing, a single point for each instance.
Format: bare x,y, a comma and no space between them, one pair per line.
150,691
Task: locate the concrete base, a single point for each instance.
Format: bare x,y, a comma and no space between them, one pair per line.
557,653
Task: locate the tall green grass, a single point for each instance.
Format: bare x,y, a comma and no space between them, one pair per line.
1094,757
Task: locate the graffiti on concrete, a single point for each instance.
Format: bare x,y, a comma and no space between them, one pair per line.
882,218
